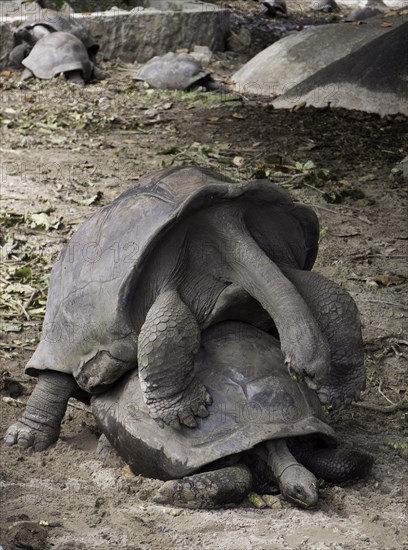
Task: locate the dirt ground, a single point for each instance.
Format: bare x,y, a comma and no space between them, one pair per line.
68,150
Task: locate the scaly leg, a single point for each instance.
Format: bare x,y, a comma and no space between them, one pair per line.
207,489
168,342
339,321
40,424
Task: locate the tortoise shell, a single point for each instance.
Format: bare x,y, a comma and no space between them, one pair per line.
254,399
88,329
56,22
59,52
172,72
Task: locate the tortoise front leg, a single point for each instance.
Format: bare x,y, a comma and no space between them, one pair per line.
207,489
40,424
168,342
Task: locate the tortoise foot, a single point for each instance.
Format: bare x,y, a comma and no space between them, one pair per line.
40,425
181,408
337,393
28,434
207,489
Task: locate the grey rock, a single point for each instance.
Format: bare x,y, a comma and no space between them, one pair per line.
296,57
140,35
238,41
373,79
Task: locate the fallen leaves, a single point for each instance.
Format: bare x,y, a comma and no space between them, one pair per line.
94,199
387,279
33,220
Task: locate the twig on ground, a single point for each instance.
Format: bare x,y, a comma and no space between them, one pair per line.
383,394
388,409
387,304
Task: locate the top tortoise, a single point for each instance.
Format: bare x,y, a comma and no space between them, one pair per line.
144,275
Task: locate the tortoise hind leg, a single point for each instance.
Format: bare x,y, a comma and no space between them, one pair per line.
207,489
40,424
339,320
26,74
336,465
168,342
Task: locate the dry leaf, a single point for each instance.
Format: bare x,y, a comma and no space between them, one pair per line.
127,472
387,280
239,116
386,24
238,161
92,200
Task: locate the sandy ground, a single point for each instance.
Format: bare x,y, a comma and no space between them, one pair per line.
65,152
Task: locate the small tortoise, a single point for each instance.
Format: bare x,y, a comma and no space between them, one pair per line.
60,52
262,426
174,72
180,250
361,14
326,6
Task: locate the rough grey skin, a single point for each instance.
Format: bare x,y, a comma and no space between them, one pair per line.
257,411
17,55
179,251
174,72
60,52
47,21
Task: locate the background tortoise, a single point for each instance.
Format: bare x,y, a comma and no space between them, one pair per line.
257,409
275,8
174,72
60,52
326,6
144,275
360,14
47,21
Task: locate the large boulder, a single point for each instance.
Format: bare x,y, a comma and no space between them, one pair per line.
374,79
296,57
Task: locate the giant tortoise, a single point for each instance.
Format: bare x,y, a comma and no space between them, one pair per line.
47,21
60,52
144,275
260,416
174,72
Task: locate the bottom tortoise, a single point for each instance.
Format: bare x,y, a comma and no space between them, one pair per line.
263,427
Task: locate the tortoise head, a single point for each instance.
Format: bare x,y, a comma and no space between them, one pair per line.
299,486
